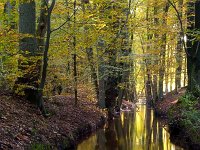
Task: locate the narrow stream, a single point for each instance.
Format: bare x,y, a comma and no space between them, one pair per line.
137,130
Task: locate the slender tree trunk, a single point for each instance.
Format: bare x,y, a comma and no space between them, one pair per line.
148,62
39,95
167,72
156,46
75,57
179,50
42,26
101,75
154,87
89,52
163,53
171,77
185,72
148,87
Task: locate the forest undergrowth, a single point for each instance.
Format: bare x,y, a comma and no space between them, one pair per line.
182,110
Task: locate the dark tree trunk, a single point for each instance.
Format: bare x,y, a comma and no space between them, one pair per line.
163,53
42,27
193,49
75,57
89,52
28,48
154,88
39,95
148,62
101,75
179,50
112,80
148,85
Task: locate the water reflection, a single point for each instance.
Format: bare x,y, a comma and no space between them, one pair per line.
132,131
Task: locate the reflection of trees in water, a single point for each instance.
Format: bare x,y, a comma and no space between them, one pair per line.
125,129
148,127
133,131
107,138
101,140
154,130
111,138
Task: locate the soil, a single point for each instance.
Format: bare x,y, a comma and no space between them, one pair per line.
22,125
169,100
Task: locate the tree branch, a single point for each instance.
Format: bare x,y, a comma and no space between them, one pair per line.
68,19
181,26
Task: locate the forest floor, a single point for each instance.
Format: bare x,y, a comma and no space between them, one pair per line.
170,99
22,126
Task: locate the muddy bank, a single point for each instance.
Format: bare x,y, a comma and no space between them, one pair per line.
170,99
23,126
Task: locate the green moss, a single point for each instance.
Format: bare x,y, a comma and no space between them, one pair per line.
39,146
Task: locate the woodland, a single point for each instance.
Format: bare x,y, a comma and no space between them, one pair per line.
80,59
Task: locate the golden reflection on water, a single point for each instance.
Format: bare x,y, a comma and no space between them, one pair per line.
132,131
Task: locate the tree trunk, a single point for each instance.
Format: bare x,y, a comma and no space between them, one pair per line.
163,53
167,71
193,49
148,88
154,87
75,56
89,52
101,75
148,62
42,26
179,50
28,48
39,95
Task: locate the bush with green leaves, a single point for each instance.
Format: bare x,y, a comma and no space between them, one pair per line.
188,116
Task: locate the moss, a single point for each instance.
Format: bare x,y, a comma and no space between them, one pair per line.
39,146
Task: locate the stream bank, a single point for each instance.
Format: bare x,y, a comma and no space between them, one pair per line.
182,111
22,126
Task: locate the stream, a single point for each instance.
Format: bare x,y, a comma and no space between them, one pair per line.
134,130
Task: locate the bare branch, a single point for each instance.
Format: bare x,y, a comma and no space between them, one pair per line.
68,19
181,25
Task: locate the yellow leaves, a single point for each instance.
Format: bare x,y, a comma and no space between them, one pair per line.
100,26
1,7
60,9
89,16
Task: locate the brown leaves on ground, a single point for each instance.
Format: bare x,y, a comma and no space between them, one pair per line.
22,124
169,100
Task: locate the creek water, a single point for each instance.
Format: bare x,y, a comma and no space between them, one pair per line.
133,130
